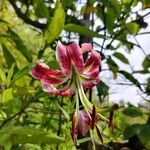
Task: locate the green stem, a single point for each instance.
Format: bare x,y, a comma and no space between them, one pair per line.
87,105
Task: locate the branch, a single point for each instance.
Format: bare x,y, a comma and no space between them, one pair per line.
25,18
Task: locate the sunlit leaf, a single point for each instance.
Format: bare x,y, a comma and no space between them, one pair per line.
21,73
10,74
7,95
56,25
2,74
19,45
132,28
8,56
22,135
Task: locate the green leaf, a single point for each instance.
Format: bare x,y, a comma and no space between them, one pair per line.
2,74
8,56
82,30
132,28
141,130
130,130
19,45
130,77
132,111
112,66
146,63
41,10
10,74
102,89
144,135
21,73
22,135
7,95
121,57
110,18
64,112
55,27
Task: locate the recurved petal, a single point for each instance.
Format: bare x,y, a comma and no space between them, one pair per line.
87,84
42,72
86,47
92,65
63,58
76,56
51,89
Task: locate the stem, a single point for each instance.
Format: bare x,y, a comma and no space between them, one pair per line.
87,105
59,126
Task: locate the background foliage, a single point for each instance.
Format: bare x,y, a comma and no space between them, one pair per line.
29,30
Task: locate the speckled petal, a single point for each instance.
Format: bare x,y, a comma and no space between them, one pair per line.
76,56
63,58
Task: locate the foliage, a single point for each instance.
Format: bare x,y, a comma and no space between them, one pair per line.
32,119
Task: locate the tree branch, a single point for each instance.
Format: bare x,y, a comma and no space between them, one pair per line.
25,18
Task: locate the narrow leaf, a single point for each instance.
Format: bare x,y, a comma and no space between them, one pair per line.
19,45
22,135
112,66
121,57
82,30
10,74
130,77
7,95
64,112
146,63
8,56
2,74
21,73
56,25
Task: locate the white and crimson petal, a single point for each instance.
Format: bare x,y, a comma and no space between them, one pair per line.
70,57
63,58
45,74
76,56
67,90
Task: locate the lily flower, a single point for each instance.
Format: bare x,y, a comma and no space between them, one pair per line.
73,67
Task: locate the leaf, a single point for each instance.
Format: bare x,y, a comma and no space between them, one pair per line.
130,130
82,30
7,95
8,56
21,73
22,135
144,135
121,57
102,89
41,10
19,45
10,74
130,77
2,74
55,27
142,131
64,112
132,27
146,63
112,66
132,111
110,18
